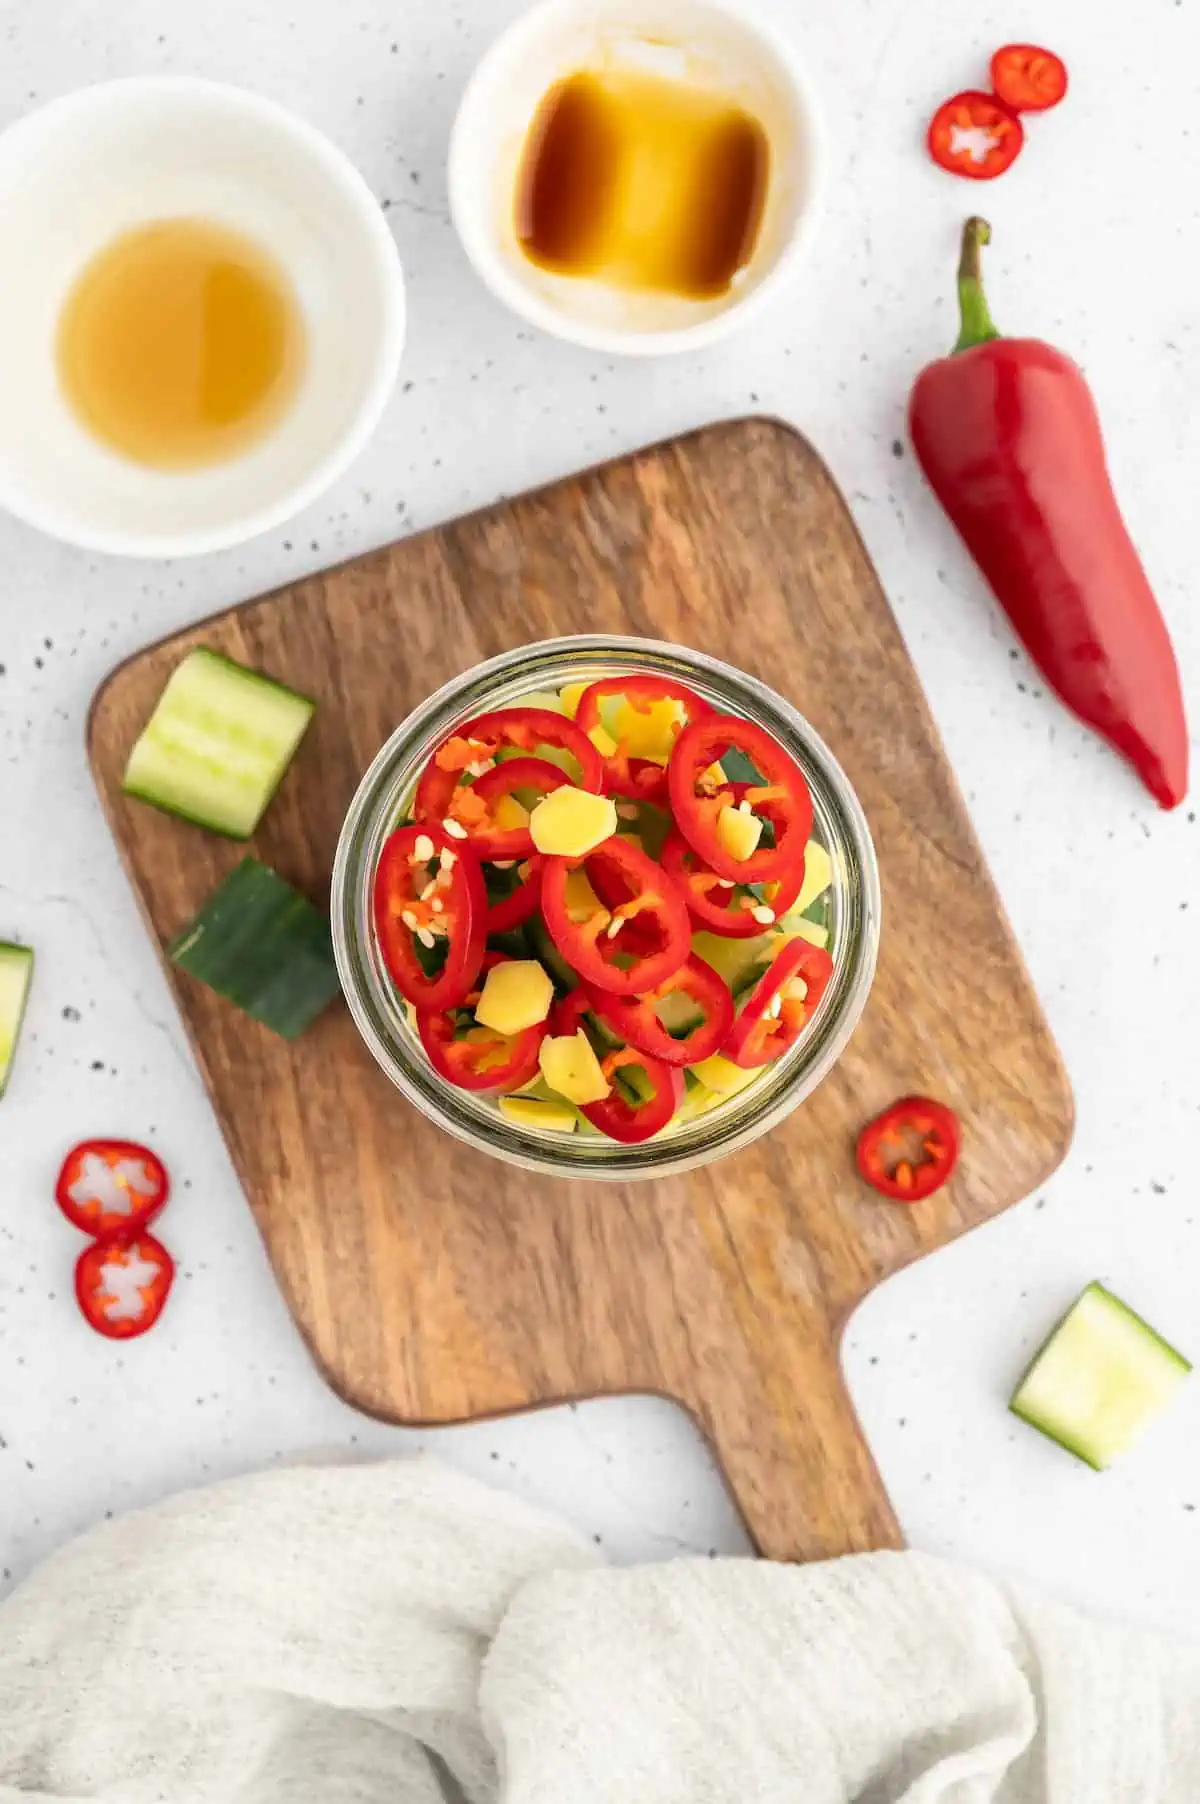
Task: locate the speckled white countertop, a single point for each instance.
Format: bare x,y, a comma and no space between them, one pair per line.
1094,231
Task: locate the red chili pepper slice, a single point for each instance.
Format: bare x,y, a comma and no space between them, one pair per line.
716,902
639,778
515,909
630,1122
428,883
474,1057
473,805
617,1116
1028,79
910,1150
663,939
111,1186
636,1020
612,890
782,798
975,135
122,1283
771,1020
477,741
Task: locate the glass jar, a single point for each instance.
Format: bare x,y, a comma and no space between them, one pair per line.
382,799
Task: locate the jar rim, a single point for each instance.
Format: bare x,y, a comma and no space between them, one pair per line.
379,1013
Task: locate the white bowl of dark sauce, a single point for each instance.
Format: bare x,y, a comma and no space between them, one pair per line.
201,317
637,176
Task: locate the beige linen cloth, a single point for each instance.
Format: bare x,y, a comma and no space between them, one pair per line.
398,1634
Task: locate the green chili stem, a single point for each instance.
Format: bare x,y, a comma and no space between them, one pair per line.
977,323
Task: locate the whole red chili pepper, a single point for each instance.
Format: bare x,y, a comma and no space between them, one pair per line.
1007,434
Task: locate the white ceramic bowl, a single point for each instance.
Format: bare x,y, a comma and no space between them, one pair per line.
86,168
702,41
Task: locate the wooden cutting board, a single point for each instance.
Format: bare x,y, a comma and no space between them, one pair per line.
433,1284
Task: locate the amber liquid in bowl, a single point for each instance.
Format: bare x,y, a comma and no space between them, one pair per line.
642,182
181,344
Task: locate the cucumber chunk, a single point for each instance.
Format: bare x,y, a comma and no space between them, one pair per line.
217,746
804,927
1102,1375
566,978
679,1014
16,975
262,946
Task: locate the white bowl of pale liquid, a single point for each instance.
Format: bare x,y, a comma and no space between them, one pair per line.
80,172
706,43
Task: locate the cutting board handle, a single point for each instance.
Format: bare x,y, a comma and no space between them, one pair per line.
790,1445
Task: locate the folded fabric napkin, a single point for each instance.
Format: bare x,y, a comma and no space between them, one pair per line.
397,1634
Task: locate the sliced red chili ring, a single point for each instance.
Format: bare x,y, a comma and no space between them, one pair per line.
636,1019
612,890
782,798
122,1282
567,1015
428,884
474,1057
111,1186
477,741
515,909
617,1115
1028,79
957,127
770,1020
592,946
474,805
910,1150
717,903
625,775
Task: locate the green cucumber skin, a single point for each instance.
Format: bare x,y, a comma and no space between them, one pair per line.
511,943
738,768
564,978
262,946
23,957
138,791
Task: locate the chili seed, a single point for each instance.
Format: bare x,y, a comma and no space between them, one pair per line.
438,906
448,859
410,920
425,937
764,914
455,829
423,847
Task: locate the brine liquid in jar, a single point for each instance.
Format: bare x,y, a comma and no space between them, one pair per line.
643,182
181,344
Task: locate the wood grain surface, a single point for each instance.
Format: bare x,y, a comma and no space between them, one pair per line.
433,1284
